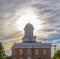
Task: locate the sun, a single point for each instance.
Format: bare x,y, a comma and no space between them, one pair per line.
28,16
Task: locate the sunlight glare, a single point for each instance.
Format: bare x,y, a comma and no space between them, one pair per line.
28,16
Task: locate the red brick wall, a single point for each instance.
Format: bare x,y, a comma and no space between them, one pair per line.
16,53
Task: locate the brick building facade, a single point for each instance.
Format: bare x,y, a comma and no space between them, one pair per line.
29,48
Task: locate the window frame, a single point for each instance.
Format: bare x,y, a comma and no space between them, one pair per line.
21,51
28,51
44,51
36,51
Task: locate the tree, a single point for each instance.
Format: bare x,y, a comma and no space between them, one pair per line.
1,51
57,55
9,57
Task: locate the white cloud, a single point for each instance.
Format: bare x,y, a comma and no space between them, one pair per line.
50,9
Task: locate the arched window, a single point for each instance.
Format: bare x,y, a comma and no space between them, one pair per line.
44,51
37,51
28,51
21,51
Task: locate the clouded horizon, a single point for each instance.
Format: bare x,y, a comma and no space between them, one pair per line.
48,10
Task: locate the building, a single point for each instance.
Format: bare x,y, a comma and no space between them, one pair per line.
29,48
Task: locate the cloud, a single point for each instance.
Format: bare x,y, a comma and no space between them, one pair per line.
9,40
48,10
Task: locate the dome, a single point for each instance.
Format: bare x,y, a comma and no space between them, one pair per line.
29,26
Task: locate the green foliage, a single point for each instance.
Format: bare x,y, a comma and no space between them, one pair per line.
9,57
2,51
56,55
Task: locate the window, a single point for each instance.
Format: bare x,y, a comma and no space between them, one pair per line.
21,57
28,51
29,57
44,51
37,51
21,51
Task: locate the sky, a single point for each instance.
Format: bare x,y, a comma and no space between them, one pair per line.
47,11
